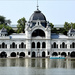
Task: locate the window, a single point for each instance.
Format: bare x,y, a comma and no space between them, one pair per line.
13,45
38,45
38,32
48,53
54,45
72,45
28,53
43,45
3,45
63,45
33,45
22,45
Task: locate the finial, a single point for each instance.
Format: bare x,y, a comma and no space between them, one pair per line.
37,5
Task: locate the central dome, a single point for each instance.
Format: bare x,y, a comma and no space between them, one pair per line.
37,15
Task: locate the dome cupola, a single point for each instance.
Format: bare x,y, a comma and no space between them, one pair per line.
37,15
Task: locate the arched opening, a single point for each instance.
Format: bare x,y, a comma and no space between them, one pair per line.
33,45
33,54
38,45
63,45
72,54
63,54
13,45
22,54
54,54
43,45
43,54
22,45
54,45
3,54
72,45
38,32
13,54
3,45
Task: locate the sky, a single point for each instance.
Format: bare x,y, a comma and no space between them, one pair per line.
56,11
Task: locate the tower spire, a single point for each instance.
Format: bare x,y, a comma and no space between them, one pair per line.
37,5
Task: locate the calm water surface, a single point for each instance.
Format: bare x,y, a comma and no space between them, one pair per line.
37,66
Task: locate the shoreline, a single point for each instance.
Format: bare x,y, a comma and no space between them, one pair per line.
34,58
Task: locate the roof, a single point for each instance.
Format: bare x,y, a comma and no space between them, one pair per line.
71,31
17,36
58,36
37,15
3,30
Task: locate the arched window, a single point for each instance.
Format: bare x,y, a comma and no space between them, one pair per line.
3,54
72,45
22,54
13,45
63,54
33,45
54,45
63,45
13,54
38,45
43,45
3,45
43,54
33,54
38,32
22,45
72,54
54,54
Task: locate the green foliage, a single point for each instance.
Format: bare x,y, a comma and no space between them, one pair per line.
51,25
4,21
65,29
21,25
67,26
9,29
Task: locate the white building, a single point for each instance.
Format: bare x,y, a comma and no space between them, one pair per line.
37,41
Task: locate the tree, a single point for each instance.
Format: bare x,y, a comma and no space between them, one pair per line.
2,19
21,25
4,23
7,22
51,25
72,25
9,29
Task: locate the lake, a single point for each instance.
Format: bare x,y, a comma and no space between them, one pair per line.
37,66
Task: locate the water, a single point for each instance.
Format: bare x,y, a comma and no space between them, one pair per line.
38,66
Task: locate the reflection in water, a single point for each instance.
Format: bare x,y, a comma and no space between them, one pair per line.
38,63
38,66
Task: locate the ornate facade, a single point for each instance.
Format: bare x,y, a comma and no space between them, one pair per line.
37,41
